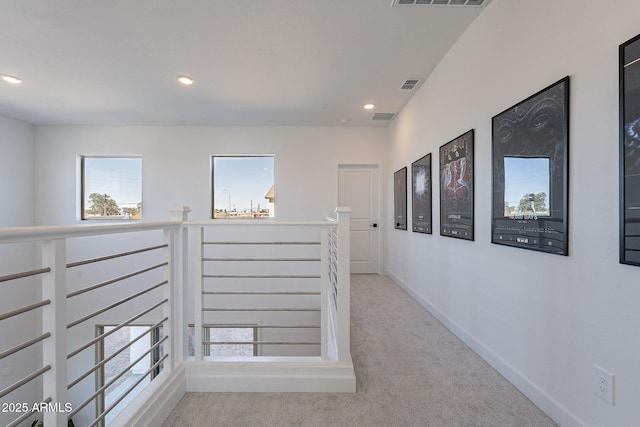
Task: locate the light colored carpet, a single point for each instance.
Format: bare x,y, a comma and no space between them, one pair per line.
411,371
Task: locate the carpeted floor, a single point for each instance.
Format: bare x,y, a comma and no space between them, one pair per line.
411,371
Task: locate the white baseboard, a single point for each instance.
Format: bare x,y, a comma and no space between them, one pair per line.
284,375
543,400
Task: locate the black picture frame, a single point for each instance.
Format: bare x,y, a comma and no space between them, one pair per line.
629,93
530,170
421,199
400,199
456,187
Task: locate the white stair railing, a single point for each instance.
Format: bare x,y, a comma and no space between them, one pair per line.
82,291
79,292
283,279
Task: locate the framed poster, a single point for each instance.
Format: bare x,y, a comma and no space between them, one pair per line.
630,152
456,187
421,195
530,161
400,199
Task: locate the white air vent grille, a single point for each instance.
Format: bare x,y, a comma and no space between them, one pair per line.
410,84
383,116
474,3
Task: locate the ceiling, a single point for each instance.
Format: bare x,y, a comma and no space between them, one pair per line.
255,62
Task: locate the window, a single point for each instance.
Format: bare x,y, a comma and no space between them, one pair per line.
220,340
111,187
243,187
123,358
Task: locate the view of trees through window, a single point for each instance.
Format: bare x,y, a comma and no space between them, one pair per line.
111,187
243,187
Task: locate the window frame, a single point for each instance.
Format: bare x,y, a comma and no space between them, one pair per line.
81,182
213,187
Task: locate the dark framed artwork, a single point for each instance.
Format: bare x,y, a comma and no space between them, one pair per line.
400,199
530,161
630,152
456,187
421,195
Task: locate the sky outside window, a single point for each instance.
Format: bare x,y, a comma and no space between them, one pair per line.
241,183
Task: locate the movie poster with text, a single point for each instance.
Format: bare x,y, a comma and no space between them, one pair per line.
530,168
456,187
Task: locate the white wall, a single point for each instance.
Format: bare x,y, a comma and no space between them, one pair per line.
16,209
543,320
176,164
16,172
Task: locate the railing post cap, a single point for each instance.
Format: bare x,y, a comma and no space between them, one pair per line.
179,213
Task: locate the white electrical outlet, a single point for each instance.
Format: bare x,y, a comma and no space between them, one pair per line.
604,384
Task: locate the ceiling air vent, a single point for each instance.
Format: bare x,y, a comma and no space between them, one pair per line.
383,116
474,3
410,84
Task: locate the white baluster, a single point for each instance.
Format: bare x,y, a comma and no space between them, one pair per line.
344,282
54,320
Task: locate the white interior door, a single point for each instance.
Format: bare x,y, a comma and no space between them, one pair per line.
358,189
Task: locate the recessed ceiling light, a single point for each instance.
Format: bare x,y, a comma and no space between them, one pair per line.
186,80
11,79
368,106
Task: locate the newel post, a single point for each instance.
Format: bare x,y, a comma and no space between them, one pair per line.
179,213
344,283
196,287
325,259
177,252
54,321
